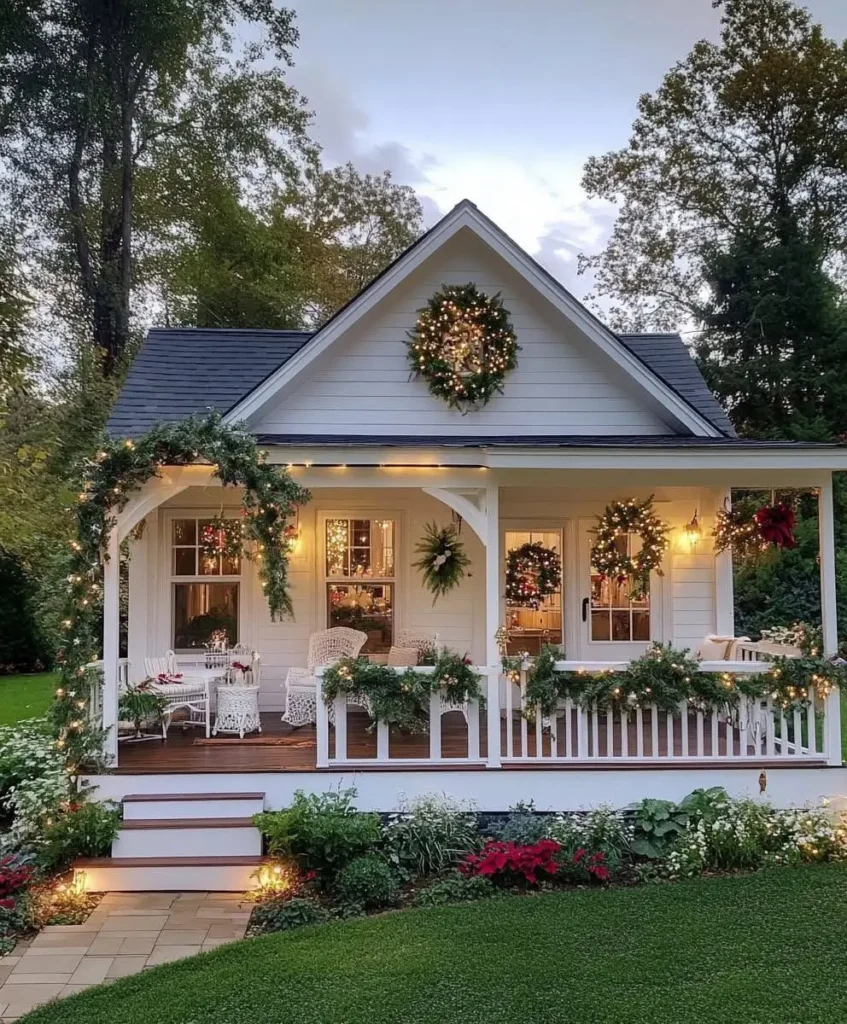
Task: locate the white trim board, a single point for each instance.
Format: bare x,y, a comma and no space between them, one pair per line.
465,216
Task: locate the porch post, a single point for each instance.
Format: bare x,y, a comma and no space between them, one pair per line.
492,620
111,639
829,618
724,590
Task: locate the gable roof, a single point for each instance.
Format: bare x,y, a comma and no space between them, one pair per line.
180,371
465,215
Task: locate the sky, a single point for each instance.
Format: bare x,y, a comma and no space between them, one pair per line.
500,102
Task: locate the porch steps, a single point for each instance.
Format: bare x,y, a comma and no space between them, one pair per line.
166,840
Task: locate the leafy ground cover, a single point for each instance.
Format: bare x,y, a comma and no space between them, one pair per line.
764,948
25,696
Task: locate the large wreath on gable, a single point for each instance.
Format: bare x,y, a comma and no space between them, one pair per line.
533,572
612,559
463,345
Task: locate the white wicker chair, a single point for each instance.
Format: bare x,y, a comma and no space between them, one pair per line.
191,695
241,653
325,648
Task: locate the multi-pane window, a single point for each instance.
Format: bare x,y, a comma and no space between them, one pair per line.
201,608
615,615
359,578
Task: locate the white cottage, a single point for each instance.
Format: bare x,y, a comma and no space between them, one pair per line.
587,417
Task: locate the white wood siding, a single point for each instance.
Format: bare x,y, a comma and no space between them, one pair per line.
562,385
687,614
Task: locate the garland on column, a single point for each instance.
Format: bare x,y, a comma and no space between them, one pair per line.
463,345
620,519
118,469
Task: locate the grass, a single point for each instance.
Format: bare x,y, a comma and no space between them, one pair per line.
25,696
758,949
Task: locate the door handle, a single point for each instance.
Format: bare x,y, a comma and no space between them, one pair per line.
585,609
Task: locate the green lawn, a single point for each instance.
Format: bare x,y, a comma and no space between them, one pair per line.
762,949
26,696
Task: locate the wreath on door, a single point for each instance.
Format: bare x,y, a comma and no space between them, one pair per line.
618,520
533,572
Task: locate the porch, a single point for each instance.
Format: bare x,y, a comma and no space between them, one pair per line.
555,497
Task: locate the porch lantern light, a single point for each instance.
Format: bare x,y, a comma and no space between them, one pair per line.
693,532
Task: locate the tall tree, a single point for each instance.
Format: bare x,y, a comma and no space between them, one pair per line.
733,186
114,114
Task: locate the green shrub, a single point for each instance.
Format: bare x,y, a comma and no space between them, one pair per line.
86,830
429,835
602,830
281,914
658,825
455,889
524,825
322,832
368,882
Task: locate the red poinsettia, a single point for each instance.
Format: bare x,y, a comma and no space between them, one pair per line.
776,524
509,862
13,876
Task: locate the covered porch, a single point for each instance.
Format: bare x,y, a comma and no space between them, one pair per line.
502,498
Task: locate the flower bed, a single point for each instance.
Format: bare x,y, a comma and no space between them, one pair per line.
335,862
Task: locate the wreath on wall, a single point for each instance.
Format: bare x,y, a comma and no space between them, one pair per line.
463,345
630,517
443,560
533,572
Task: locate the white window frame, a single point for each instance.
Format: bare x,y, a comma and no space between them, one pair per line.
324,580
172,578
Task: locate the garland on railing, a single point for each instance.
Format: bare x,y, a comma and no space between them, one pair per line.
118,469
402,699
666,678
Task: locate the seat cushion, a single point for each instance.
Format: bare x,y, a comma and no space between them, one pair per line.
402,657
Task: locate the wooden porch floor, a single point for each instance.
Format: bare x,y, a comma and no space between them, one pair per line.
283,749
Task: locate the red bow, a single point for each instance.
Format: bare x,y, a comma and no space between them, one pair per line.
776,525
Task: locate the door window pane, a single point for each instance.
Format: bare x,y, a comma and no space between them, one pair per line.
359,548
368,607
530,629
615,616
201,609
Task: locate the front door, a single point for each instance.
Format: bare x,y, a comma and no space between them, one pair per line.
612,625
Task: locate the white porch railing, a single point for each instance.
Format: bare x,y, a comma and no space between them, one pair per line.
95,703
756,729
339,754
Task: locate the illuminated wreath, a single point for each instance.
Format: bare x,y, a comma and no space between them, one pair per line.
619,519
533,572
463,344
222,536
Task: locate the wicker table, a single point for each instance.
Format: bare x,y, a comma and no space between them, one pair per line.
237,710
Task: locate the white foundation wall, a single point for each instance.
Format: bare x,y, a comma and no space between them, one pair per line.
684,600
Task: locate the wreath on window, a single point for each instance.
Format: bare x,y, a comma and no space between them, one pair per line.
611,561
463,345
533,572
443,560
222,536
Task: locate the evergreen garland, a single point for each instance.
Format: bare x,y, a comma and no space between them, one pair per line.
619,519
443,560
402,698
533,572
736,528
118,469
463,345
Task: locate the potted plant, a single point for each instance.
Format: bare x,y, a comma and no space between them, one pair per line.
141,707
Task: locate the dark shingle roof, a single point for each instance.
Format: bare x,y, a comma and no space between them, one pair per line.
668,357
183,370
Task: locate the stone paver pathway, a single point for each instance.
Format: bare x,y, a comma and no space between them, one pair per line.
126,933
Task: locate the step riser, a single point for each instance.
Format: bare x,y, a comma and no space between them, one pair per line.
188,842
174,809
199,878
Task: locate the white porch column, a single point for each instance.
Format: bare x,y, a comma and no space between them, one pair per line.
724,589
492,619
111,631
829,619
